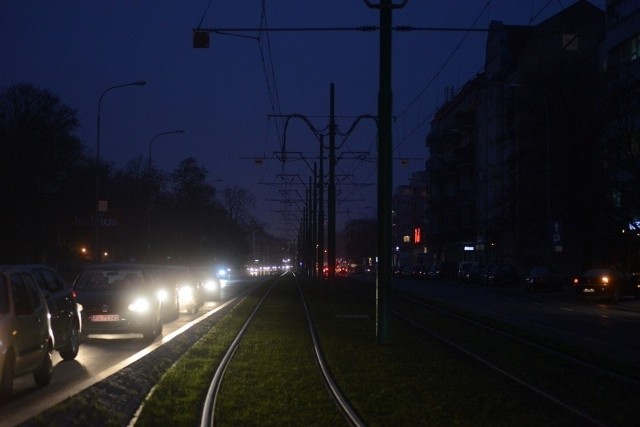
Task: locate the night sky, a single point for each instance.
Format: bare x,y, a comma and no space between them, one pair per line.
225,97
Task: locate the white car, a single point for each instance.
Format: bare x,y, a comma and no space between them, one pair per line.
26,338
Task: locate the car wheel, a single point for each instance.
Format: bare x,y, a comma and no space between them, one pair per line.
70,349
6,382
615,296
42,375
155,330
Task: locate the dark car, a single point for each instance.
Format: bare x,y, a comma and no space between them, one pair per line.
191,289
66,320
466,271
167,289
26,338
209,282
118,299
607,282
503,275
419,271
543,278
447,270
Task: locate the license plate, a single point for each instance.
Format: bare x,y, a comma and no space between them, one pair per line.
588,291
105,318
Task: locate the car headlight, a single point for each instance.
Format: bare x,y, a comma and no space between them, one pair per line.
211,285
186,294
163,295
140,305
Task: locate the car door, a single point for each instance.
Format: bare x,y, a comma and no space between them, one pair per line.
58,299
30,321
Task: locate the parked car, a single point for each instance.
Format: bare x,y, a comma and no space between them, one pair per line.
432,272
119,299
401,271
607,282
485,272
543,278
26,338
66,320
503,275
447,270
466,271
419,271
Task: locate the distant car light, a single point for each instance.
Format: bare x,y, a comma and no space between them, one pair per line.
605,280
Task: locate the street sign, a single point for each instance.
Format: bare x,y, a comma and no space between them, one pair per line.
556,234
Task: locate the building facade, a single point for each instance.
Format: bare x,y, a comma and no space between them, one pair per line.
513,156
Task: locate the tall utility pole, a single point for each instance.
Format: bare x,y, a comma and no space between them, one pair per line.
385,177
320,211
331,203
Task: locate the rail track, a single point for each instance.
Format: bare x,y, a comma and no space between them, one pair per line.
545,368
208,417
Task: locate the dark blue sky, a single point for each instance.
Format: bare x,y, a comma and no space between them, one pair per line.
222,96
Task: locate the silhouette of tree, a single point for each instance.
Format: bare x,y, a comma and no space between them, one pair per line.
42,170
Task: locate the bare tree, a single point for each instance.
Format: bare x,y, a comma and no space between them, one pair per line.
237,201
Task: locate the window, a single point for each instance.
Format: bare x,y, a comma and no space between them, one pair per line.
22,304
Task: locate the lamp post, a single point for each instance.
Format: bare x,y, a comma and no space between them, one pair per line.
97,207
160,134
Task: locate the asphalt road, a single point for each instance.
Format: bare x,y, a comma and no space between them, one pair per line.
99,357
608,328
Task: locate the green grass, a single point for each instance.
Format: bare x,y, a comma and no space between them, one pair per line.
178,398
412,380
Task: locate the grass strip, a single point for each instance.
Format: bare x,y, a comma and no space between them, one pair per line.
417,380
178,398
413,380
273,378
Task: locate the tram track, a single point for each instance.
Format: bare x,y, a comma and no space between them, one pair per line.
209,411
571,383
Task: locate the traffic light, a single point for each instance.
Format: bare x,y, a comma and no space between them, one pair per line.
200,39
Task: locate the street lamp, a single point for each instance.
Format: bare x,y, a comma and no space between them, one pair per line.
160,134
97,207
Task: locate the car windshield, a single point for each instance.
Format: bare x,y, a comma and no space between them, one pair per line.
109,279
598,272
4,296
540,271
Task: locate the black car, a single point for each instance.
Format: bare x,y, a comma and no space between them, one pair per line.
209,282
447,270
190,291
119,299
543,278
503,275
610,283
66,320
167,289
